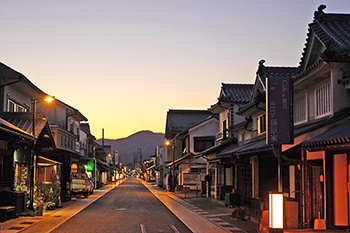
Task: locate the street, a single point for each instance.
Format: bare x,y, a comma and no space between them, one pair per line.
129,207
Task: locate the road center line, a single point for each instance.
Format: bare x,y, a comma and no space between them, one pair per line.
143,228
174,229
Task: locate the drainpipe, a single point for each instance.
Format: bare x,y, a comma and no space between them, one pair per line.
303,177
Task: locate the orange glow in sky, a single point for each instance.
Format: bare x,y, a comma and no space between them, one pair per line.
123,64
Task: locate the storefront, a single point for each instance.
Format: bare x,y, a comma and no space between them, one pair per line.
326,175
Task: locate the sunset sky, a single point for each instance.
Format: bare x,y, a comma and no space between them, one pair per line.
123,64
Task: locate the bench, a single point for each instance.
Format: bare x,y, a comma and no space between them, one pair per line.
4,210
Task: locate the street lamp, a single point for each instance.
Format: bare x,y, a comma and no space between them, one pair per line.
32,158
168,143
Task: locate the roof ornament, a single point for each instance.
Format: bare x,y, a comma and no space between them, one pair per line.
261,68
319,13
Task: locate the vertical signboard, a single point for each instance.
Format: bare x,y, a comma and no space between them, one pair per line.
279,107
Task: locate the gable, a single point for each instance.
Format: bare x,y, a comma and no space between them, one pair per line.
328,40
312,52
265,72
235,93
181,120
258,88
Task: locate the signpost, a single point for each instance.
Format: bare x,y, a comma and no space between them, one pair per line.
279,111
280,125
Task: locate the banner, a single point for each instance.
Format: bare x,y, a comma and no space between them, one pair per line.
279,110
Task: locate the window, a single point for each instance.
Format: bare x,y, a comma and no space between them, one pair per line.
203,143
224,125
78,134
198,170
224,133
323,101
241,137
12,106
21,109
300,109
262,124
71,126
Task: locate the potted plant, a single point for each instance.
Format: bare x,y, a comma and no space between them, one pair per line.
39,198
53,190
49,205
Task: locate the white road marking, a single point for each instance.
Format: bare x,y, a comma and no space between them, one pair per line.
174,229
143,228
218,215
121,209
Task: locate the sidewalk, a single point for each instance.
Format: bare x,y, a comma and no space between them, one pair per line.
199,214
215,211
208,211
53,218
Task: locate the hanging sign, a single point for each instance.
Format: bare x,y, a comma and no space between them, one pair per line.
279,120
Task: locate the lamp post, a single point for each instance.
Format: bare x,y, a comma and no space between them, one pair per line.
168,143
33,158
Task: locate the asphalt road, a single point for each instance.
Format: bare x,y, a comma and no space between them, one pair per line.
129,207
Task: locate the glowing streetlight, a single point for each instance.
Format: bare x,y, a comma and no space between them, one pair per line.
49,99
168,143
33,159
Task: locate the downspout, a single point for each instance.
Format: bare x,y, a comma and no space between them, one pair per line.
303,181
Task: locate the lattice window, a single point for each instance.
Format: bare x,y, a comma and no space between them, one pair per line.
323,101
300,109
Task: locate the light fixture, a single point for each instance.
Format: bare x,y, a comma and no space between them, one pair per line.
49,98
276,211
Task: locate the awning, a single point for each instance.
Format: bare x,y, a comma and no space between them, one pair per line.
251,147
42,161
10,128
216,148
178,160
199,166
335,136
102,163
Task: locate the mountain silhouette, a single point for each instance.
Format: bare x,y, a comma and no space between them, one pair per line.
146,140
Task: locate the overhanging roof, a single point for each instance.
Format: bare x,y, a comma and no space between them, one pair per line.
178,160
10,128
338,135
42,161
24,121
180,120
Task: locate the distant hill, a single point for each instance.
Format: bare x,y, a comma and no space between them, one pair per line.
147,141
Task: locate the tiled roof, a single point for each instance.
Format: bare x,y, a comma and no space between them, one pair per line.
180,120
333,30
336,135
265,72
85,127
24,121
8,127
236,93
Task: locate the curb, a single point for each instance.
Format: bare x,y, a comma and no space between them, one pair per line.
205,215
18,226
105,187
